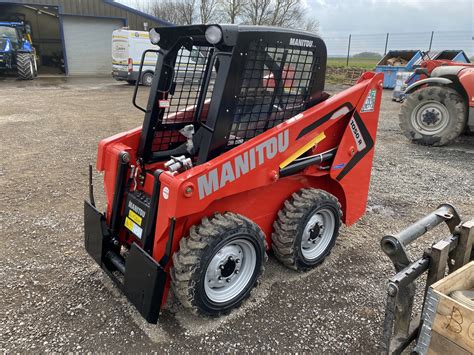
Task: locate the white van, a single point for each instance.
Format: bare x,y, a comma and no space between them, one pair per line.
127,49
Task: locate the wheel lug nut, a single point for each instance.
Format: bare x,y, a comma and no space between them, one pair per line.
219,278
237,261
236,271
231,258
228,280
221,267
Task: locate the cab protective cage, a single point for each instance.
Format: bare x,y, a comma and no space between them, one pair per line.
215,88
251,80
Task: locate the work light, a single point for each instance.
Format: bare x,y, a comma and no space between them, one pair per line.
154,36
213,34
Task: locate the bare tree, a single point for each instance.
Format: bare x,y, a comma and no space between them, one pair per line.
179,12
207,10
232,9
257,12
286,13
311,25
282,13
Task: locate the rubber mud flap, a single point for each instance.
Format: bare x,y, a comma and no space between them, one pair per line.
94,232
144,283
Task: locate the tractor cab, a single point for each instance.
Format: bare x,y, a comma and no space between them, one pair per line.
227,84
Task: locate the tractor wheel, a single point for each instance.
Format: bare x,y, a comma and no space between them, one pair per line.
306,229
219,264
25,66
147,79
433,115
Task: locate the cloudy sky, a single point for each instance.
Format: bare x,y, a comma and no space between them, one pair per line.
378,16
409,22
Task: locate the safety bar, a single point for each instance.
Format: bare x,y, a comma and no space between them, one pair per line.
135,91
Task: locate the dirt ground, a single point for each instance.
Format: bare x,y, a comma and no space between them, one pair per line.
53,297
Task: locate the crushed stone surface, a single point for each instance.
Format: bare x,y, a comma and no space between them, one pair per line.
53,297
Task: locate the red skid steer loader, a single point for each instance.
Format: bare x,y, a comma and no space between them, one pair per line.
237,154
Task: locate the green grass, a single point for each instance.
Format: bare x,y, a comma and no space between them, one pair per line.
367,64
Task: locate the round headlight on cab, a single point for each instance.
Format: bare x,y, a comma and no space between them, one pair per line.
154,36
213,34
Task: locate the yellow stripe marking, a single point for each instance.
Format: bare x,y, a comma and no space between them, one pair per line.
129,224
134,217
303,150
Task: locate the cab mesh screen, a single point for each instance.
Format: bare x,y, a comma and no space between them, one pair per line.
275,86
189,74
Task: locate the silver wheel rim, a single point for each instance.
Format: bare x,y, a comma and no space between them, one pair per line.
430,117
148,79
32,71
317,234
230,271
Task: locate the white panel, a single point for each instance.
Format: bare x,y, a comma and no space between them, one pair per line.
89,44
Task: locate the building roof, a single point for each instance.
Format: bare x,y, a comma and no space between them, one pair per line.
97,8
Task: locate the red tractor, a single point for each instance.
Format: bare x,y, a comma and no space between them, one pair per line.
440,106
237,161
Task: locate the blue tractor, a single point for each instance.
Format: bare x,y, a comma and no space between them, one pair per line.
16,50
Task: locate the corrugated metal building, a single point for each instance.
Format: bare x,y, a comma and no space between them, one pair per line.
74,36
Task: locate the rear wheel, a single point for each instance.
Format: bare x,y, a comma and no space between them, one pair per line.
306,229
147,79
218,264
433,115
25,66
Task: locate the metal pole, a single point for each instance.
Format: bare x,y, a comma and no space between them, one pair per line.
348,50
386,45
431,40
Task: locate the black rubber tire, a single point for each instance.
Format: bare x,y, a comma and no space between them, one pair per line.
147,79
291,221
196,251
25,66
455,105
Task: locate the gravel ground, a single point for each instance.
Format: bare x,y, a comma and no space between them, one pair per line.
54,298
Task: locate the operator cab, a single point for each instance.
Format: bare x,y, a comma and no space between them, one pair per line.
221,85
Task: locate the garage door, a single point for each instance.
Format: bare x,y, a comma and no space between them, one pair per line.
88,43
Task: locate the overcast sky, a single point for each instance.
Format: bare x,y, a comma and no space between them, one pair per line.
338,17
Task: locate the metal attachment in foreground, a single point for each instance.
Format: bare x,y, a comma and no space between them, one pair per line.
453,251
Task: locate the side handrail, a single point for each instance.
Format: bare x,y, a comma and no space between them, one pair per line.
135,91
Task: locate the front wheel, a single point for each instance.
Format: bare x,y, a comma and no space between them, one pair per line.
433,115
219,264
25,66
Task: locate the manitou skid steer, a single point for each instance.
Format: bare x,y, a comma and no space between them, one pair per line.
244,154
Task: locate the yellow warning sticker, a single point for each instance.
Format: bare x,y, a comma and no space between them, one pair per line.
132,227
134,217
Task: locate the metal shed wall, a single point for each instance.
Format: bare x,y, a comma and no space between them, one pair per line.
98,8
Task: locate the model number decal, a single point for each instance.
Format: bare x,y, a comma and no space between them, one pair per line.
231,170
357,135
